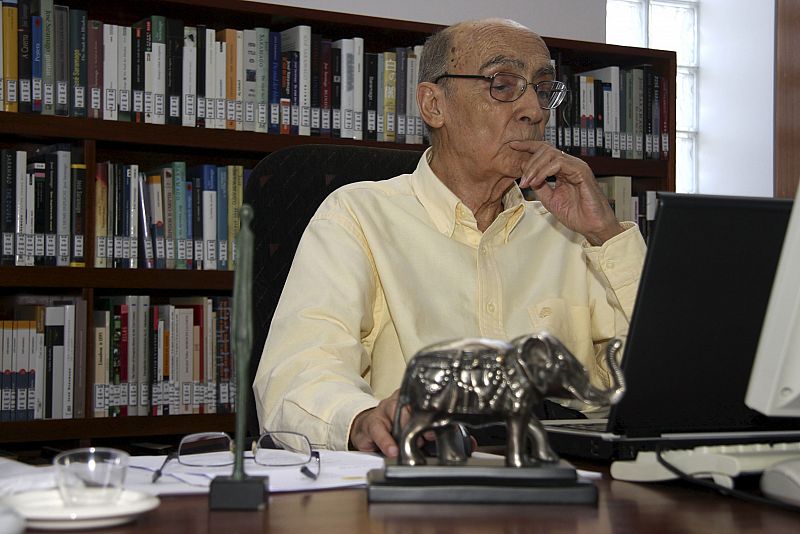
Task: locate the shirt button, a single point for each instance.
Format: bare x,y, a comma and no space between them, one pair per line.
545,312
490,307
484,250
609,264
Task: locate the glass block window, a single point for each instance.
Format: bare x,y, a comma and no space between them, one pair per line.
666,25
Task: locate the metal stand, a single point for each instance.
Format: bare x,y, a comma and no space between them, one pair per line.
481,480
239,491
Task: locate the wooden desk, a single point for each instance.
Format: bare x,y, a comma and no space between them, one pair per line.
623,507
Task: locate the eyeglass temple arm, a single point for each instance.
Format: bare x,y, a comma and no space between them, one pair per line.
158,472
243,329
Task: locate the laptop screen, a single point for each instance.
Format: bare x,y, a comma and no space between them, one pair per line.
698,314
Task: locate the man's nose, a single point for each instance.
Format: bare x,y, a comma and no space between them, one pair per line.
529,108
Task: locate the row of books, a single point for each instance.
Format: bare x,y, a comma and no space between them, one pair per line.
163,359
43,358
172,216
42,206
59,61
629,205
613,111
148,359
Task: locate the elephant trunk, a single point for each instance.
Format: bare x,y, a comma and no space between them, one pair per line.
612,395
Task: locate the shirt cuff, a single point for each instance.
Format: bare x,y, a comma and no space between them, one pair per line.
343,416
620,259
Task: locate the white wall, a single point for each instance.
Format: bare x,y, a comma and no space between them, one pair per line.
569,19
737,66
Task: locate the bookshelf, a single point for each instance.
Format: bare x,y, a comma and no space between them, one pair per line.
152,144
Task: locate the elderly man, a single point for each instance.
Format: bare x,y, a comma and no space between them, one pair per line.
452,250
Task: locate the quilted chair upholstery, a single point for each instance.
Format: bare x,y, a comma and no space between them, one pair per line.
285,189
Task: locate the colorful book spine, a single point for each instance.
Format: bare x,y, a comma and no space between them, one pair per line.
78,47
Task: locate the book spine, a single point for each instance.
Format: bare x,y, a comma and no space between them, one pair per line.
223,250
389,95
48,57
358,88
221,84
37,372
370,105
316,83
37,170
210,79
101,319
10,56
249,79
174,70
21,197
380,129
78,207
146,248
36,62
274,81
159,67
94,69
209,221
138,75
124,73
143,346
325,88
5,370
100,214
110,53
168,193
286,94
24,56
262,80
181,224
196,183
8,193
189,77
78,47
61,53
156,221
401,66
79,375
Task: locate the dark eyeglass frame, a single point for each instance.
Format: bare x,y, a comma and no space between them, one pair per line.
313,459
558,88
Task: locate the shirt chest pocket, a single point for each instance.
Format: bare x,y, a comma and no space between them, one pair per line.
570,324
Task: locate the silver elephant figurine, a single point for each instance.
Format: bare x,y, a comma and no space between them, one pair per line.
480,381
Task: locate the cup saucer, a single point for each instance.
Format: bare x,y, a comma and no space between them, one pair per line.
46,510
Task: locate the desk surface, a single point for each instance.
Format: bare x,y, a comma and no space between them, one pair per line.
623,507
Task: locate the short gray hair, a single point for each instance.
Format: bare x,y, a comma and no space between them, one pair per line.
433,62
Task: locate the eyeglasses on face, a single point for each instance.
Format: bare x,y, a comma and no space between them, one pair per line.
271,449
507,87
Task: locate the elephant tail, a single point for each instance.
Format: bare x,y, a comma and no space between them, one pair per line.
617,389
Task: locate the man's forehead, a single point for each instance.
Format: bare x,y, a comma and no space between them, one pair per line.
510,47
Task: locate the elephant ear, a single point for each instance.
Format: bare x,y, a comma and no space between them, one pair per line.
535,359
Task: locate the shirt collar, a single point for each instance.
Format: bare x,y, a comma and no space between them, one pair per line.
443,205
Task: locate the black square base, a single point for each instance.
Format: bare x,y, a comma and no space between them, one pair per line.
249,493
480,482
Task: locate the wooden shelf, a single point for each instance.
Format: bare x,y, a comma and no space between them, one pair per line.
35,127
121,279
67,429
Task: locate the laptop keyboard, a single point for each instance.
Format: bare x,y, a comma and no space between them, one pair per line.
722,463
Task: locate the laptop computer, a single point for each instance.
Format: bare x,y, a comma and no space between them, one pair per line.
693,334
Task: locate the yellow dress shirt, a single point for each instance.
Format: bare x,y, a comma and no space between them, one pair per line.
387,268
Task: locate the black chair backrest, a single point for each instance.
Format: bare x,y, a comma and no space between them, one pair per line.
285,189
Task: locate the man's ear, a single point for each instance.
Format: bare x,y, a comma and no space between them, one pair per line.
431,104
